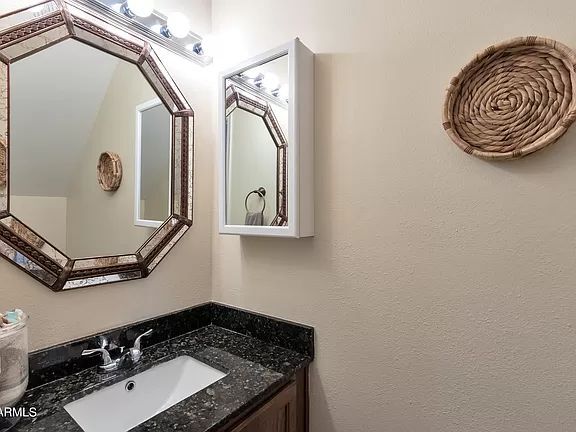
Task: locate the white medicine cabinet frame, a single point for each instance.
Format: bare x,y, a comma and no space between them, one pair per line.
139,219
299,160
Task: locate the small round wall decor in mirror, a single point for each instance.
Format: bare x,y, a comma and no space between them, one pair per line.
77,93
109,171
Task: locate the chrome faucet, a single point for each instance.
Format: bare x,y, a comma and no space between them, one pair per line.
128,358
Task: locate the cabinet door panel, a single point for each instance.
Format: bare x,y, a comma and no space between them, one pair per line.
278,415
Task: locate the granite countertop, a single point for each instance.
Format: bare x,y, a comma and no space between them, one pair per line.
255,371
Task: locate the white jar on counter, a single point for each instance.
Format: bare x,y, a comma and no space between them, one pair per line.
13,362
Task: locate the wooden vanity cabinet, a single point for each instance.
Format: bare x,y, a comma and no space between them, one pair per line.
286,411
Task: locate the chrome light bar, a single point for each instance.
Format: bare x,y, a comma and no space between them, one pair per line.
154,27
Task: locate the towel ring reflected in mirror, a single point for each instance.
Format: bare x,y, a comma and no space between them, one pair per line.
261,192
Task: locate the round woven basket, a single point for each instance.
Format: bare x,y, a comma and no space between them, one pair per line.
109,171
3,162
514,98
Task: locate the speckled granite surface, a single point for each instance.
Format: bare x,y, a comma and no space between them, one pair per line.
63,360
256,368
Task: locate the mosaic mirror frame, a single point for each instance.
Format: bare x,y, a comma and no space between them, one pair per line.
237,98
27,31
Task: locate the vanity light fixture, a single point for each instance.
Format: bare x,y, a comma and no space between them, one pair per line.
266,85
124,9
252,73
197,48
178,25
253,81
259,81
171,32
254,77
284,92
141,8
271,82
205,47
42,9
157,28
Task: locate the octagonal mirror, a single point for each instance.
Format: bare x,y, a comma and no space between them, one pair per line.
77,150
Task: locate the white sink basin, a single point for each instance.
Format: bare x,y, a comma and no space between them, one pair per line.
119,409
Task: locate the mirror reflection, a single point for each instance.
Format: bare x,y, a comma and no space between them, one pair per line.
153,139
256,142
82,102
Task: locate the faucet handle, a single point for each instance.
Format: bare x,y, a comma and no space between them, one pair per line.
105,342
139,338
105,355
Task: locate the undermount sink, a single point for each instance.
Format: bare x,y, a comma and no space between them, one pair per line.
127,404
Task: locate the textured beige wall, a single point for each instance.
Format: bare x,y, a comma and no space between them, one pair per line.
181,280
441,286
46,214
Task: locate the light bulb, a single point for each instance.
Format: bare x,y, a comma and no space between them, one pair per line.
271,81
156,28
117,7
284,92
178,24
141,8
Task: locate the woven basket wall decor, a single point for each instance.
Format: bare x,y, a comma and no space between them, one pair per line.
109,171
513,99
3,162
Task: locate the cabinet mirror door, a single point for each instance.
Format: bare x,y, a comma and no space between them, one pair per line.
256,145
266,145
